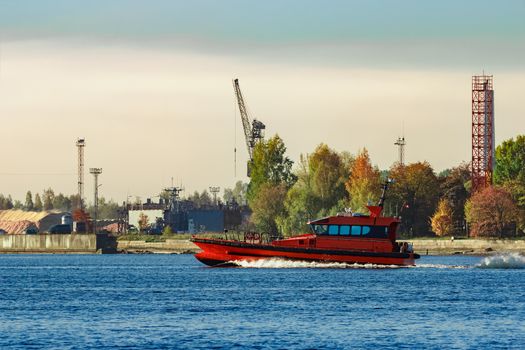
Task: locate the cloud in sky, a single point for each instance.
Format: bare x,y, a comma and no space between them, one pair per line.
149,86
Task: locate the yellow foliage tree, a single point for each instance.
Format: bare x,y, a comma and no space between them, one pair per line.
441,221
143,222
363,185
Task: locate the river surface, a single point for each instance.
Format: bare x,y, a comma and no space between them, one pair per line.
172,301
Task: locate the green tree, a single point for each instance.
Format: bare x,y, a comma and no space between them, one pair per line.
363,185
510,171
510,161
167,230
236,194
491,212
269,166
29,201
38,203
267,207
62,203
6,203
47,199
201,200
18,205
318,191
107,210
414,196
74,201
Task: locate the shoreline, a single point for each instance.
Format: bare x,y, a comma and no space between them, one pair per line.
100,244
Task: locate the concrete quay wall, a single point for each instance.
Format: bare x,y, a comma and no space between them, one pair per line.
179,246
468,246
54,243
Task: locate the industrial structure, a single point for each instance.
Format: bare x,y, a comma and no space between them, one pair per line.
253,129
400,143
81,143
96,172
482,131
185,216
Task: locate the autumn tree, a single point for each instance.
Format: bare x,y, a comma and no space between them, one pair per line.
143,222
441,221
413,196
454,188
491,212
363,185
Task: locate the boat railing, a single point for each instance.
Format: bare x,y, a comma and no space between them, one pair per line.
248,237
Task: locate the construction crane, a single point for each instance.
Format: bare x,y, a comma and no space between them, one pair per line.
253,129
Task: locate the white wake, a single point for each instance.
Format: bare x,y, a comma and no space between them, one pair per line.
299,264
505,261
439,266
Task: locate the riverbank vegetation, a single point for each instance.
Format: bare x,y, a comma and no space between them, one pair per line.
283,197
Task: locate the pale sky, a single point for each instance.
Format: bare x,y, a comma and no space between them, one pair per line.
148,84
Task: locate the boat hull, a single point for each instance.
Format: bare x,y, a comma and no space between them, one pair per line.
217,252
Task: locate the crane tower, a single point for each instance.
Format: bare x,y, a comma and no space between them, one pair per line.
253,129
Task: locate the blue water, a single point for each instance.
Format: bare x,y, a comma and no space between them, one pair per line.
172,301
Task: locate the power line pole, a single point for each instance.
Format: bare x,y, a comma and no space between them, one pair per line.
96,172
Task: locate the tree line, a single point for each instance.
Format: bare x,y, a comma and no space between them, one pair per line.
48,200
284,197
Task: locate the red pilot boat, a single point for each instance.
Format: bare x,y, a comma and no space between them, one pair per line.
344,238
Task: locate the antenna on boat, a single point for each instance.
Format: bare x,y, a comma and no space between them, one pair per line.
384,186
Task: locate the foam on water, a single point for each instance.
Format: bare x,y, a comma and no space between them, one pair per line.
300,264
505,261
439,266
291,264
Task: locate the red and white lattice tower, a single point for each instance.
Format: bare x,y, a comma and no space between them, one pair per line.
482,131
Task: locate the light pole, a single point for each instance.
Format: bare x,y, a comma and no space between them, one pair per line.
214,190
96,172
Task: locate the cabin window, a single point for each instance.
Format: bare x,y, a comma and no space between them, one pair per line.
375,231
320,229
356,230
344,230
333,230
